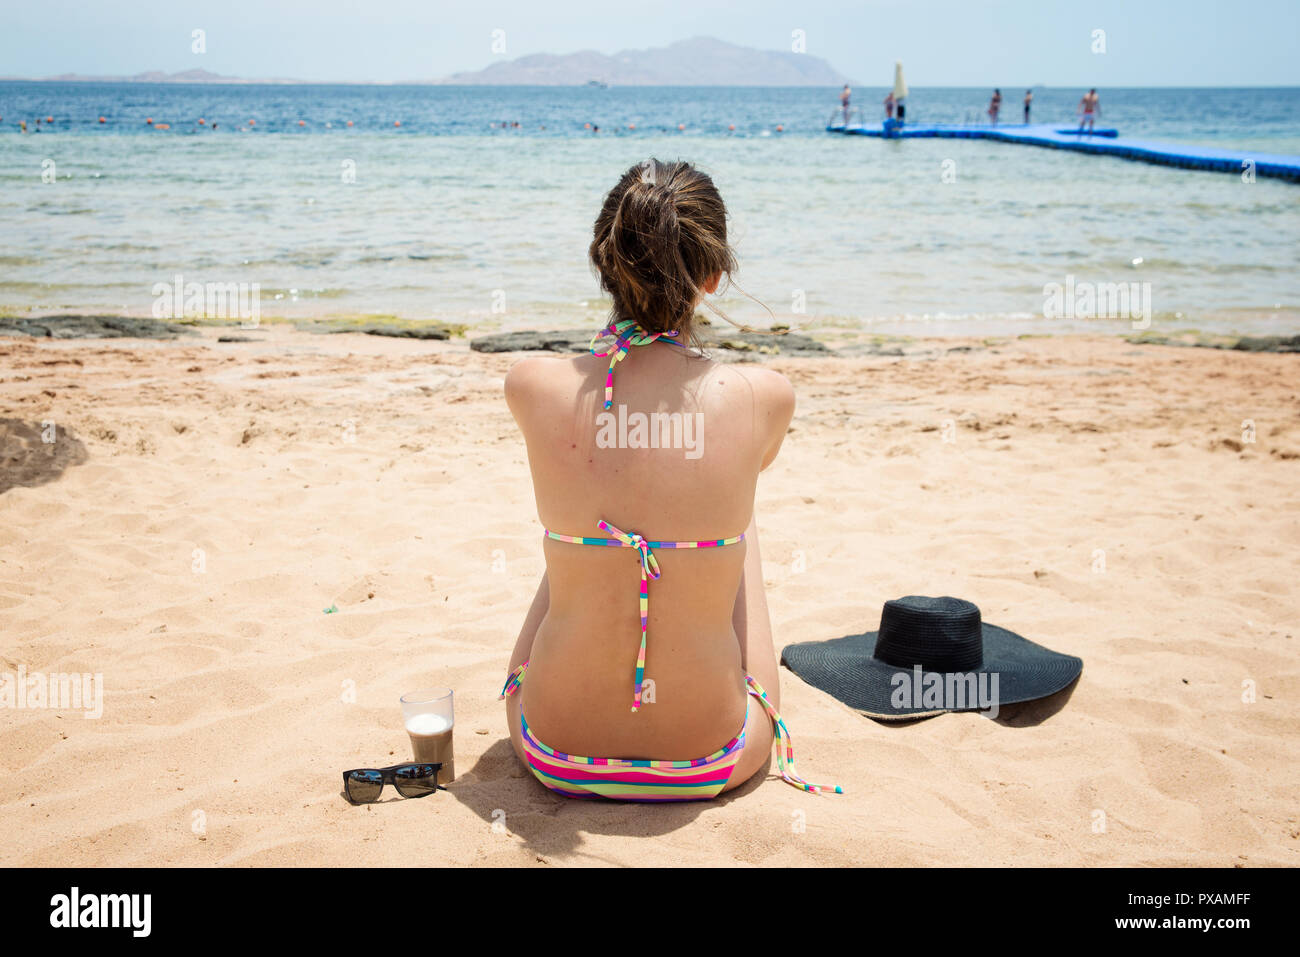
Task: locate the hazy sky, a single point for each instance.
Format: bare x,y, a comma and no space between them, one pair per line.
941,42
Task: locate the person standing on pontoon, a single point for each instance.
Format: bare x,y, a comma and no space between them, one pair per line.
1029,99
995,104
1089,108
889,105
844,102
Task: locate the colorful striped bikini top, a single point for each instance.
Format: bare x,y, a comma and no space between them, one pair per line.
649,570
628,333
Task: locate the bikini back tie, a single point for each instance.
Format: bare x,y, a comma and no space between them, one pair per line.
649,572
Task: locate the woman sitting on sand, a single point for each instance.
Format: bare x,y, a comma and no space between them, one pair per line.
645,670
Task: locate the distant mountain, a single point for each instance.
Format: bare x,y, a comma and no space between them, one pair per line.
154,76
701,61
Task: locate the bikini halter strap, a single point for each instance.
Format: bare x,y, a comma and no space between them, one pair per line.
649,572
626,334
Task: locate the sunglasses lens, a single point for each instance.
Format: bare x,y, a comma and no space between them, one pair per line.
416,780
364,786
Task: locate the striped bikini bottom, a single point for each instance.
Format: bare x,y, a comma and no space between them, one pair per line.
628,779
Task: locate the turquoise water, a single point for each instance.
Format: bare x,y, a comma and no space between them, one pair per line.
449,217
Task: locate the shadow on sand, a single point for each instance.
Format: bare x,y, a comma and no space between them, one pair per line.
1024,714
34,453
504,794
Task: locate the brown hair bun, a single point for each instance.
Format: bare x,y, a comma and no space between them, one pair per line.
660,237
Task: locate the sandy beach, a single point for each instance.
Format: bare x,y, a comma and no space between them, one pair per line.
205,502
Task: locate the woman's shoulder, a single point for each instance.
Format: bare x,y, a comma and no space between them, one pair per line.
767,386
538,382
531,376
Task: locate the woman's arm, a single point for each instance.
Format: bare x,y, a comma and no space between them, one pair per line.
536,612
753,623
521,385
775,409
749,616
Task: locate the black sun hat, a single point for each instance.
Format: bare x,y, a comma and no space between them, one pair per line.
931,655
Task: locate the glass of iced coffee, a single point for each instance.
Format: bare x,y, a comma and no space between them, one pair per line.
430,720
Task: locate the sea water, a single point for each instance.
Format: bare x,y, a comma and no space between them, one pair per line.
460,215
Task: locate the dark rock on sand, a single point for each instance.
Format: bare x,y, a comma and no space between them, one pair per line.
90,327
562,340
784,344
578,340
1234,343
398,328
1268,344
424,331
239,338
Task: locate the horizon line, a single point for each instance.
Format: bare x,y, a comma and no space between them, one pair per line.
286,81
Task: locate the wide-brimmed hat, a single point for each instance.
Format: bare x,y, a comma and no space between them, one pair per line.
931,655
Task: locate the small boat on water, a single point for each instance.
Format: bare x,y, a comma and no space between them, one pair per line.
598,84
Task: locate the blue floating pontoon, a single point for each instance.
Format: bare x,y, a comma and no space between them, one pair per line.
1107,142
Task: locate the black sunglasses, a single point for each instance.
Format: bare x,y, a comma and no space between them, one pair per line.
363,785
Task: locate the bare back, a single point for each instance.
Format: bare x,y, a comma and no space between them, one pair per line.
724,424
